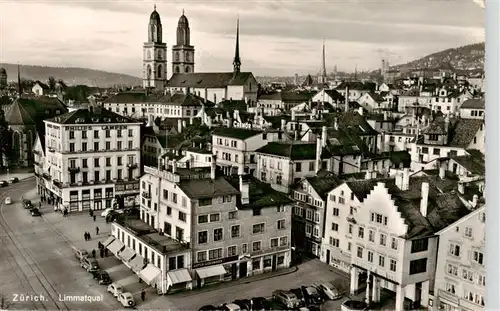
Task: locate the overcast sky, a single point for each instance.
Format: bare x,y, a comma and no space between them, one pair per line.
276,37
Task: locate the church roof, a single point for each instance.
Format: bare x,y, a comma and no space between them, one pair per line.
183,21
209,79
37,109
18,115
155,17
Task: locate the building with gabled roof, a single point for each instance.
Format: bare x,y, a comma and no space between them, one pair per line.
40,88
473,108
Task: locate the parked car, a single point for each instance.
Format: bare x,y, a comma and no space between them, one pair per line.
13,180
89,264
208,308
4,183
126,299
102,277
35,212
354,305
300,295
259,303
115,289
244,304
286,298
8,200
110,210
311,295
80,253
329,291
229,307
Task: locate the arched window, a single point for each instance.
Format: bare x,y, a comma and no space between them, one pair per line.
176,56
148,74
158,73
160,55
149,54
177,69
187,69
16,145
187,57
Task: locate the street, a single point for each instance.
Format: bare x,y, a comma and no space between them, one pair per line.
39,262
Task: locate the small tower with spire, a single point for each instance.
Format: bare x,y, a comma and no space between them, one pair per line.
237,60
183,51
322,75
155,55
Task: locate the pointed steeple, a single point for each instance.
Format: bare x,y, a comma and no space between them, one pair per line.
19,87
237,60
323,62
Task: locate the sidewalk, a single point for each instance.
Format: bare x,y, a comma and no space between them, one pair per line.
19,173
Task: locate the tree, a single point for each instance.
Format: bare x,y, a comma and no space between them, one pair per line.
5,139
52,83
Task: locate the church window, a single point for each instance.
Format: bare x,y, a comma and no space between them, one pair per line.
187,69
149,72
176,56
149,54
187,57
159,55
158,74
177,69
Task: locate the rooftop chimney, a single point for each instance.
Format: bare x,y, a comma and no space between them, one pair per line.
179,125
183,123
191,121
150,120
406,179
283,125
442,171
360,111
213,167
461,187
474,200
425,199
368,175
319,148
293,115
324,136
447,123
174,166
244,189
346,108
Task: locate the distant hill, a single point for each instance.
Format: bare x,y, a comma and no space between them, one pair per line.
71,75
466,57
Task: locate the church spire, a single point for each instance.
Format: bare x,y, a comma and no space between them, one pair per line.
19,87
323,62
237,60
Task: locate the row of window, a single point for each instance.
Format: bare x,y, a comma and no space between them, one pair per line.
467,274
107,134
232,250
381,259
310,214
107,146
476,255
108,160
371,236
97,176
278,181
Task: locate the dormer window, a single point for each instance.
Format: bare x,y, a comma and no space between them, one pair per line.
433,137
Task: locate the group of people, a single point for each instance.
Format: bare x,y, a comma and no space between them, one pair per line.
86,234
102,250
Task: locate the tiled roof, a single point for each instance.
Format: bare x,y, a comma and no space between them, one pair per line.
276,120
42,85
464,131
399,157
294,151
237,133
335,95
189,99
85,116
261,195
208,79
207,188
18,115
40,108
474,164
324,183
134,97
436,127
475,103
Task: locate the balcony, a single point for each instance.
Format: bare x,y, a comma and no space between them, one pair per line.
51,149
74,169
46,176
146,195
132,165
351,219
57,183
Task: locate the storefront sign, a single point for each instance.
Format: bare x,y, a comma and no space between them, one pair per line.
78,128
214,262
114,127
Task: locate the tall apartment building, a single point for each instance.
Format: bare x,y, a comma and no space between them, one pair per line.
92,156
460,270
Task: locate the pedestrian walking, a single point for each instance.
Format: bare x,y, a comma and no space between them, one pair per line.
143,295
93,253
96,230
85,235
101,252
90,213
88,234
105,252
99,245
94,217
40,204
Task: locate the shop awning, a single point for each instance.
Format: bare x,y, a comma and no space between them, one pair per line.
126,254
137,263
210,271
108,241
149,274
179,276
116,246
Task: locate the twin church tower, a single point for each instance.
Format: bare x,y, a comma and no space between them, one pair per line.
155,52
